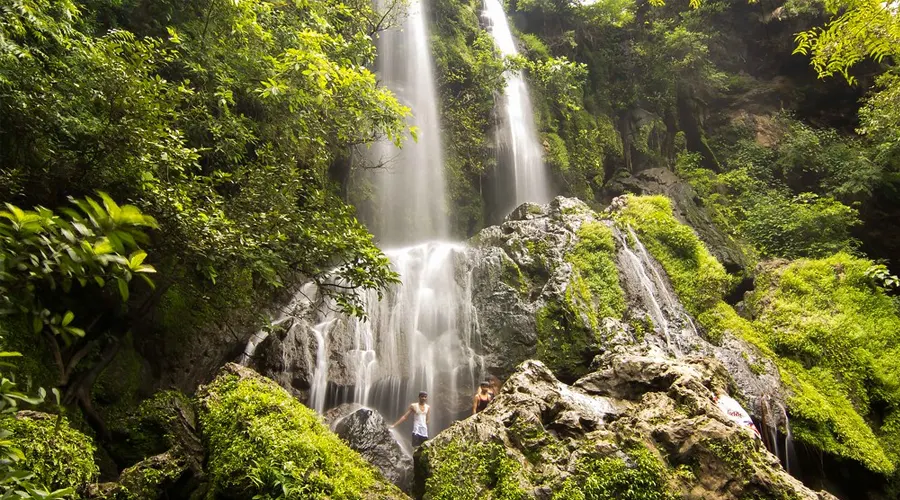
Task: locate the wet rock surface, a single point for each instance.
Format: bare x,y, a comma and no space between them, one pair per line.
640,414
366,431
514,271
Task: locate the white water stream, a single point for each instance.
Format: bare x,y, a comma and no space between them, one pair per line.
419,336
520,150
410,200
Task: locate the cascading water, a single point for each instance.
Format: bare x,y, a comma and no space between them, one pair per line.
517,136
421,335
662,306
410,201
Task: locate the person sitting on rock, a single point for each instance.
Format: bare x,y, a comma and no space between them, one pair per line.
482,397
421,418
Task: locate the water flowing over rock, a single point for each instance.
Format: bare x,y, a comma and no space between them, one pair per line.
525,176
688,210
521,266
643,425
421,335
466,312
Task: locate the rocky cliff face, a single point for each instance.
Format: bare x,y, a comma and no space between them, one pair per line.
560,283
534,299
640,426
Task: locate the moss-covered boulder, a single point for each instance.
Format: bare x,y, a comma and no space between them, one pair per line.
158,477
165,421
642,426
58,455
263,443
543,281
836,336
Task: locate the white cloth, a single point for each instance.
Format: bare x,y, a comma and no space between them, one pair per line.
733,410
420,423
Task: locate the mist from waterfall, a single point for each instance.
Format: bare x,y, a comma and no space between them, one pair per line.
409,190
520,151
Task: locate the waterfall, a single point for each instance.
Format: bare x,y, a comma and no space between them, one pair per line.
650,289
420,335
410,200
645,281
517,138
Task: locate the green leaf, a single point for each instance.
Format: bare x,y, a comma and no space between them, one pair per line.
123,289
67,318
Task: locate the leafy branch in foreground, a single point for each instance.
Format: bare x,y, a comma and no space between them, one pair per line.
70,273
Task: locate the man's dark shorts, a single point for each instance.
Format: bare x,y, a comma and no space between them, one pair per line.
417,440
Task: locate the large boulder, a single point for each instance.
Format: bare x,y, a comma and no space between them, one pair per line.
557,282
366,432
258,438
642,426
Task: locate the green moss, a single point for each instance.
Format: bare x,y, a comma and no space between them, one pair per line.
150,429
738,454
148,479
535,443
564,344
593,264
512,275
840,337
262,443
556,153
722,318
59,456
698,278
472,470
641,326
568,331
641,477
833,335
823,416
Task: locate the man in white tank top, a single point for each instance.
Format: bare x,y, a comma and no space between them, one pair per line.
421,417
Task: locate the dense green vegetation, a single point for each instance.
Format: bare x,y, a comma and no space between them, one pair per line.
473,470
166,164
829,325
469,74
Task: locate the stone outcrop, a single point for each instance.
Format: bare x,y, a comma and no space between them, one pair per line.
688,210
642,425
367,433
519,272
